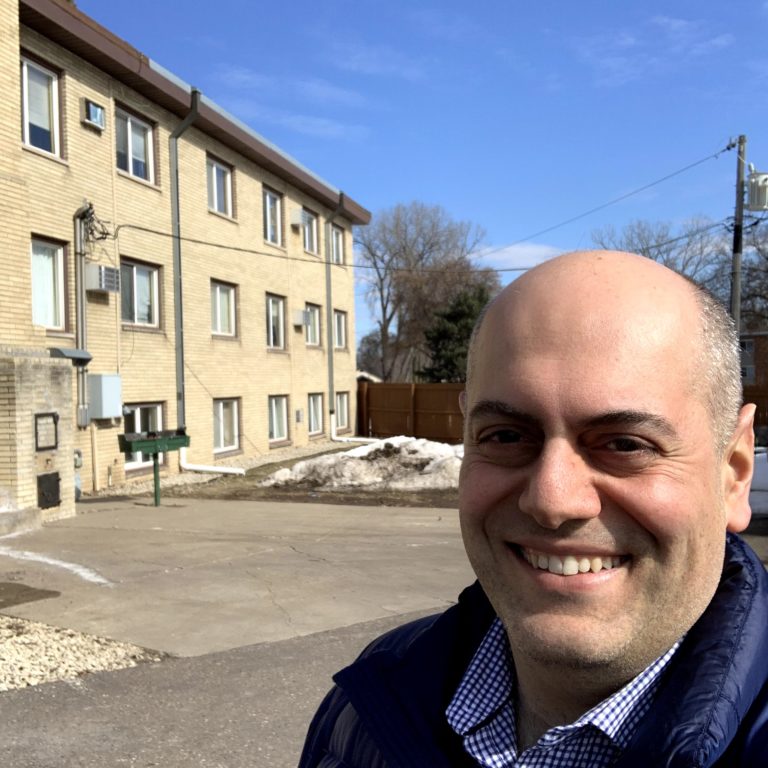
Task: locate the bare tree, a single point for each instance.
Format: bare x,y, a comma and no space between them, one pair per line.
699,249
415,259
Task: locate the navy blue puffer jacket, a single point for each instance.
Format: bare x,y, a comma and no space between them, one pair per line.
388,708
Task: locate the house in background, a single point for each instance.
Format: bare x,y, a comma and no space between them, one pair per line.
240,330
754,378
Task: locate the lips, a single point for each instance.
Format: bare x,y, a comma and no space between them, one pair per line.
570,565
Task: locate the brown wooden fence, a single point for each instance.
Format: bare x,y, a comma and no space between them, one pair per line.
430,411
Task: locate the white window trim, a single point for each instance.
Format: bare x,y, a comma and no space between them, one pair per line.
272,200
132,120
315,397
218,415
216,289
274,413
212,183
54,106
342,410
312,328
309,230
280,300
337,244
339,321
155,295
59,281
145,461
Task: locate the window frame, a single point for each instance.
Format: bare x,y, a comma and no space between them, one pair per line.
338,255
315,398
342,407
339,316
279,301
59,285
144,462
273,401
313,328
212,165
217,286
131,119
219,404
54,106
309,231
273,232
154,271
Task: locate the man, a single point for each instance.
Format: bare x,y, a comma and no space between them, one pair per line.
618,621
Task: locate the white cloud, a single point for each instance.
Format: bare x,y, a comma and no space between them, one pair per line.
257,114
662,45
518,257
376,60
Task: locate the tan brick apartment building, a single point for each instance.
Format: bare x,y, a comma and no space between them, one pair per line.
253,303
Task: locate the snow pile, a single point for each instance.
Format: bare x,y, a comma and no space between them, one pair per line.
399,463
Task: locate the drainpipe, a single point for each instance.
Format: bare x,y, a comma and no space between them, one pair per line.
82,214
330,329
176,230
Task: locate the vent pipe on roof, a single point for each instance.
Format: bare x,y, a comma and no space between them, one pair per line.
176,230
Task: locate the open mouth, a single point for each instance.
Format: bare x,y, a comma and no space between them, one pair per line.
570,565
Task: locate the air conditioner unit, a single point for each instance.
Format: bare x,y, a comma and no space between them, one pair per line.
300,318
297,218
101,278
758,191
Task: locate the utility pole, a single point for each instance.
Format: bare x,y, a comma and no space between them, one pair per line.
738,230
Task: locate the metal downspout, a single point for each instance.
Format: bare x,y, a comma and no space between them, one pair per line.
176,231
83,213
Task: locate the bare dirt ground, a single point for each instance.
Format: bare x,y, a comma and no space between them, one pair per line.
247,488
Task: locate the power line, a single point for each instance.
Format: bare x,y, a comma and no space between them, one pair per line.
615,200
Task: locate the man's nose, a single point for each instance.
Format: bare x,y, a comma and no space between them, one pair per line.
559,487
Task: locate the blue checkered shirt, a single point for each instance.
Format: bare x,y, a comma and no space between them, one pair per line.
482,712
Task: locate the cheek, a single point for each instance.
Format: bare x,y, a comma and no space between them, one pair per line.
482,486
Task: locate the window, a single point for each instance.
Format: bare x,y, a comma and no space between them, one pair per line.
278,418
312,325
309,230
275,322
134,146
273,217
337,244
223,309
48,303
226,427
315,414
142,417
342,410
747,361
138,294
219,187
339,329
40,107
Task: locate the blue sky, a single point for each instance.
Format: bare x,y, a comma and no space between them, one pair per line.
514,115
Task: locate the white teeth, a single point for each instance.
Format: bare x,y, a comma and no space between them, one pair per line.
570,565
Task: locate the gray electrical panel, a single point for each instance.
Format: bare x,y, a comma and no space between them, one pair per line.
105,396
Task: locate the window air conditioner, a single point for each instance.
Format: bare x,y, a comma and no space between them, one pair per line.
101,278
297,218
300,318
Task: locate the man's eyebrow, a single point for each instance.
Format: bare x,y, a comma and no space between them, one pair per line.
618,418
500,409
632,418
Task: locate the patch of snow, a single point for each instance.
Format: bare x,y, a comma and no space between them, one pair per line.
400,463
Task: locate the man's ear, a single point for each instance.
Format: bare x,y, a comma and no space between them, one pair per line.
738,464
463,402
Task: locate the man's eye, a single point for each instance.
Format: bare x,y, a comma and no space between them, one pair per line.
628,445
502,436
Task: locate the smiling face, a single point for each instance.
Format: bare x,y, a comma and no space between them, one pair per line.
593,500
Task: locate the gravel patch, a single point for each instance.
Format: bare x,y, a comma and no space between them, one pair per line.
32,653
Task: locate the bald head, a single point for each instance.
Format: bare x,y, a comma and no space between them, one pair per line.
612,303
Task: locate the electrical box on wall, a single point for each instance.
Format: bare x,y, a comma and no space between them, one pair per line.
105,395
